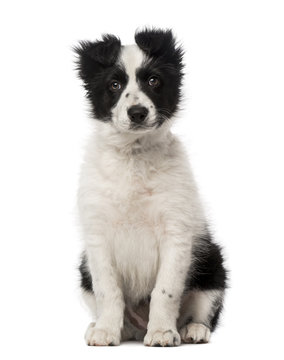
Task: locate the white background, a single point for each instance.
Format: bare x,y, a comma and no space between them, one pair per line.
232,125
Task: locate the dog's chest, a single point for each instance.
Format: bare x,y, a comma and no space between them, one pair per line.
135,250
136,224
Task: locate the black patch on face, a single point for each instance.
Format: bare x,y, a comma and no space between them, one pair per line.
165,63
97,68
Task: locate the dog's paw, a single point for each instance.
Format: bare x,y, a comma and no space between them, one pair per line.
101,337
162,338
195,333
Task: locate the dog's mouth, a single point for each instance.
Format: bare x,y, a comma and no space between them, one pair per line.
141,127
147,125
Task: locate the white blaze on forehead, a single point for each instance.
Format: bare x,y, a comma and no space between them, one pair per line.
131,58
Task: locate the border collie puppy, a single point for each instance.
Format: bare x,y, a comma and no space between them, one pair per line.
150,269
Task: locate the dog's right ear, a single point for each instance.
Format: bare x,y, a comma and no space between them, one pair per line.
95,56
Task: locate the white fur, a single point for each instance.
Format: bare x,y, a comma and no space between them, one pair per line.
102,337
195,333
140,213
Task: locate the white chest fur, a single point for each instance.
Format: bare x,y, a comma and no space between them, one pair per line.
124,194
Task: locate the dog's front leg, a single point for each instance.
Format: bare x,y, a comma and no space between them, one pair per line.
175,257
109,297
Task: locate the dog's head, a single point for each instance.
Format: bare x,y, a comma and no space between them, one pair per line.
135,88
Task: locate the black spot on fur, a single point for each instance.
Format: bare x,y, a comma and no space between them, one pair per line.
165,63
170,295
127,95
97,68
86,278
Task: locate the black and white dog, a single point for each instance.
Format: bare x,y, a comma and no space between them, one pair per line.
150,268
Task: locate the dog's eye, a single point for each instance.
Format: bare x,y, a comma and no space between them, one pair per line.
115,85
153,81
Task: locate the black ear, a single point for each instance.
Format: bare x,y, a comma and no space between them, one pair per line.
159,43
94,56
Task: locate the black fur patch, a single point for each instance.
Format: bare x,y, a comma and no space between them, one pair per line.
97,68
215,318
86,278
164,62
208,272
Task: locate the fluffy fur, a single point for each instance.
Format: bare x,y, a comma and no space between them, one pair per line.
150,269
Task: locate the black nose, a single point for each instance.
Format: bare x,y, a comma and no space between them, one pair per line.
137,113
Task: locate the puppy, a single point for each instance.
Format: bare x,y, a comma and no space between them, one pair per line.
150,269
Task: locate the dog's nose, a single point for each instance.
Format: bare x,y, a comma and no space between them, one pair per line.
137,113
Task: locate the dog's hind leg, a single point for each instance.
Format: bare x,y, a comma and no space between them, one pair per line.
90,301
202,301
199,314
88,296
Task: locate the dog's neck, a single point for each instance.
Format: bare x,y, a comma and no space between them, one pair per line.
132,143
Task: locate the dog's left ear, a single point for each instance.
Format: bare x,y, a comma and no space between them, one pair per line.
96,56
160,43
